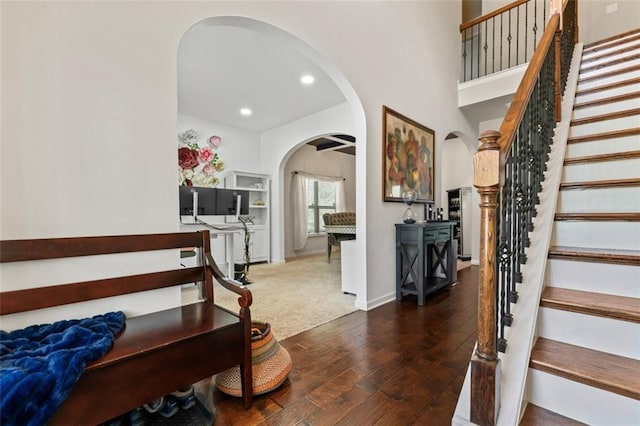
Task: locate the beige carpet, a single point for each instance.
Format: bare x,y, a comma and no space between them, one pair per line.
293,297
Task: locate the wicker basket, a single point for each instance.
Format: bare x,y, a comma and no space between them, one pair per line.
270,362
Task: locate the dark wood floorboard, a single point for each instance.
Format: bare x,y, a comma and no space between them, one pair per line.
396,364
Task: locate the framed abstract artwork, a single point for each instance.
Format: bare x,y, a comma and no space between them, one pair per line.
408,157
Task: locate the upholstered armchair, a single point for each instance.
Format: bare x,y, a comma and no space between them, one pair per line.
342,219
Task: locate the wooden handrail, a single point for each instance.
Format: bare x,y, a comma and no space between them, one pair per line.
490,15
518,105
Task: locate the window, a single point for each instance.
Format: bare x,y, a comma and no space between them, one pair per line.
321,197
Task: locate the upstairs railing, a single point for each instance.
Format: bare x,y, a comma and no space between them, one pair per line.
503,38
509,170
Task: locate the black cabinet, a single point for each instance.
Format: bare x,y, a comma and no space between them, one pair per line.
425,258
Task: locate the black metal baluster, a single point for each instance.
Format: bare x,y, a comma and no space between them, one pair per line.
509,40
501,27
535,24
517,35
526,25
464,55
485,47
501,276
478,37
493,45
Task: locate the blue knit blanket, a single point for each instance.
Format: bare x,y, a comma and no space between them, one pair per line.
40,364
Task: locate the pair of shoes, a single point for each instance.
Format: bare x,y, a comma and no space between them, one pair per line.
155,405
137,417
170,407
184,397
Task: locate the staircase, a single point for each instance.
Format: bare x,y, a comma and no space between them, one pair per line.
585,364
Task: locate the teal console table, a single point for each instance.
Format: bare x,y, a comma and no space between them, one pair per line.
425,258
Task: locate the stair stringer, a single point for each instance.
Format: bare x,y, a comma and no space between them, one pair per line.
521,335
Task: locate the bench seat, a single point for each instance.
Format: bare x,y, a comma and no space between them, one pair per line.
166,350
156,353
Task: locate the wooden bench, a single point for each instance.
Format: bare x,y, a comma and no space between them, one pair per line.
156,353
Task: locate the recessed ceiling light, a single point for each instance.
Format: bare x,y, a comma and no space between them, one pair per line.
307,79
245,111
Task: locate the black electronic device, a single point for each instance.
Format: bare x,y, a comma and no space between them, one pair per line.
206,200
227,202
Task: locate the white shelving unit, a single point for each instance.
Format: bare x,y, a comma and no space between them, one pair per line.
258,186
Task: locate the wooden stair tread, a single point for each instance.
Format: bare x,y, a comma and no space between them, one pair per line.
607,43
604,101
600,217
537,416
609,86
610,73
612,183
622,257
604,117
585,302
605,371
626,155
605,135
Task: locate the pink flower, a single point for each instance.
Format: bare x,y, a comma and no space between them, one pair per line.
215,141
206,154
187,158
209,169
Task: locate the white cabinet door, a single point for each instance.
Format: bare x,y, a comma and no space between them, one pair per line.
260,247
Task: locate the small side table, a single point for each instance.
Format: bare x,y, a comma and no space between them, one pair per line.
425,258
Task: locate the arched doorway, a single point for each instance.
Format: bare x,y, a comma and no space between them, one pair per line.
271,146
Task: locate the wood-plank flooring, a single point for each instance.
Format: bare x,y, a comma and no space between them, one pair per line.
396,364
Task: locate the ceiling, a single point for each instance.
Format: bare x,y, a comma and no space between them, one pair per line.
222,69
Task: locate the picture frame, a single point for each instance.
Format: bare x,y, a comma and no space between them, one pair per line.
408,152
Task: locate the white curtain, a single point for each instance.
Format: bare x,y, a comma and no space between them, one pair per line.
299,209
300,205
341,204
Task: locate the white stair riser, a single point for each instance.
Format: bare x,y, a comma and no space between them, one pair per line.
620,280
619,169
604,146
611,55
601,334
622,199
590,111
589,84
611,125
608,93
588,54
605,235
609,68
581,402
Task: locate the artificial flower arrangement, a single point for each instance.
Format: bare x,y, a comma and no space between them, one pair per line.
197,166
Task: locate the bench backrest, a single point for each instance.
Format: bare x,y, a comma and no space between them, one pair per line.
58,248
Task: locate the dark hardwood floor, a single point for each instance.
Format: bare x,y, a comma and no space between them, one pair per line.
398,364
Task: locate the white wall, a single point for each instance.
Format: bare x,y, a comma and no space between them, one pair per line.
327,163
238,146
89,96
595,24
457,172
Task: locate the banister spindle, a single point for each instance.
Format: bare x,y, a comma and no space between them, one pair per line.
485,365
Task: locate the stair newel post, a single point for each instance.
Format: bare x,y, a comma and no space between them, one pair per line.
485,365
